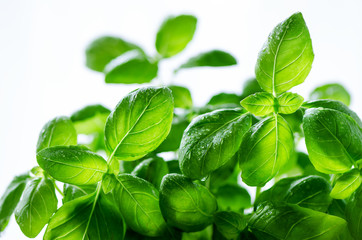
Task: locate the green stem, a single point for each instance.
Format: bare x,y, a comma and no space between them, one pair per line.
257,192
57,188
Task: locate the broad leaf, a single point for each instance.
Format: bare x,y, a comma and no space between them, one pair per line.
224,98
337,208
332,91
347,184
130,67
72,192
230,224
265,149
10,199
73,164
232,197
213,58
186,205
139,123
295,121
90,119
37,205
103,49
291,222
211,140
109,182
289,102
354,214
139,204
58,132
181,96
174,34
259,104
333,139
286,57
228,173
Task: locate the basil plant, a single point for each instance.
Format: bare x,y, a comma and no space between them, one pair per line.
158,167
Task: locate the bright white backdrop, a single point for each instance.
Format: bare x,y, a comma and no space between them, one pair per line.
42,72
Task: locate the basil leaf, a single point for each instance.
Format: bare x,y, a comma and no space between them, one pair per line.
259,104
72,192
139,204
295,121
181,96
224,98
72,164
173,166
332,91
57,132
335,105
204,234
130,67
139,123
109,182
289,102
291,222
347,184
174,34
152,170
37,205
103,49
11,198
286,57
333,139
211,140
213,58
354,214
337,208
232,197
265,149
230,224
186,205
307,167
250,86
90,119
228,173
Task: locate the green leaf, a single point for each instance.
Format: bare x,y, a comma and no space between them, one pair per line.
295,121
211,140
228,173
307,167
72,164
291,222
250,86
139,123
332,91
230,224
259,104
130,67
103,49
90,119
265,149
173,166
224,98
152,170
10,199
232,197
72,192
347,184
337,208
335,105
213,58
57,132
139,204
333,139
354,214
185,204
174,34
286,57
37,205
109,182
289,102
181,96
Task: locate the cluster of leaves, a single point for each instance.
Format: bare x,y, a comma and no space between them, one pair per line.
136,194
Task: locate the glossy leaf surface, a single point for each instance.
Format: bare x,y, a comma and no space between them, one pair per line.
259,104
230,224
347,184
289,102
332,91
232,197
354,214
224,98
213,58
72,192
90,119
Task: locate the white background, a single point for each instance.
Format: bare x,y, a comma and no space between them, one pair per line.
42,72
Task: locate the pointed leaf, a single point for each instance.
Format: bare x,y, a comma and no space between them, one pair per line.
347,184
213,58
181,96
332,91
90,119
259,104
289,102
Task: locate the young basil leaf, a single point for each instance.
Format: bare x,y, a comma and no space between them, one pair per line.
213,58
232,197
185,204
211,140
57,132
152,170
354,214
347,184
259,104
230,224
10,199
335,105
333,139
286,57
90,119
291,222
72,192
72,164
138,202
250,86
224,98
332,91
37,205
174,34
265,149
289,102
103,49
181,97
139,123
337,208
109,182
130,67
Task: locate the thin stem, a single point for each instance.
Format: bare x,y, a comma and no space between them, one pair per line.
257,192
207,182
57,188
